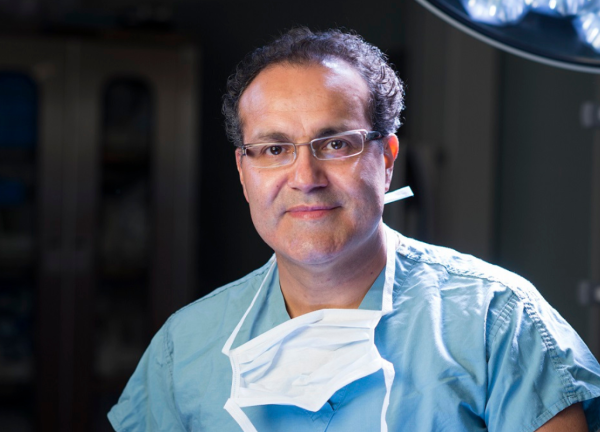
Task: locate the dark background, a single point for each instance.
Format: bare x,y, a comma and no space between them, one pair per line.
492,145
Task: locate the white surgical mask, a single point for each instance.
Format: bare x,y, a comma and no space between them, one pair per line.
305,360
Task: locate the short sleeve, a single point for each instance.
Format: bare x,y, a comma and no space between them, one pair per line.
537,366
147,403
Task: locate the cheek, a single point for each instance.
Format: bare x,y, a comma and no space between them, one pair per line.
262,190
372,187
369,179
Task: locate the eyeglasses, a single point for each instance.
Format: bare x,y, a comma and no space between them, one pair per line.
341,146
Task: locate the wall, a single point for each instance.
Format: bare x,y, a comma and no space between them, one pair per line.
544,183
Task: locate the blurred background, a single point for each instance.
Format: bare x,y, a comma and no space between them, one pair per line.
120,201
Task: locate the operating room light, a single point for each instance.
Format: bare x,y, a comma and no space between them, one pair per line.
588,28
561,8
585,14
561,33
496,12
502,12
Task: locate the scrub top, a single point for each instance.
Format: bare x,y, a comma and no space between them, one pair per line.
474,348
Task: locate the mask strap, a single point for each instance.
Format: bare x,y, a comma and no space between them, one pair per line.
238,415
388,374
391,244
387,307
227,346
397,195
391,241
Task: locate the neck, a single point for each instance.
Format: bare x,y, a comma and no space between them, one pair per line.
339,284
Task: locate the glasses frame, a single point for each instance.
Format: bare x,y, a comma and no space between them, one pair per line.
367,136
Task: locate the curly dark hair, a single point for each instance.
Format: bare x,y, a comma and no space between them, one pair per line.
301,46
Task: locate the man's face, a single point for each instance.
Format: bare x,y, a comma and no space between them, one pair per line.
313,211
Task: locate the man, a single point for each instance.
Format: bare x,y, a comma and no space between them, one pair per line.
350,327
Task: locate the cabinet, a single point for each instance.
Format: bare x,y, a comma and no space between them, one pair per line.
98,168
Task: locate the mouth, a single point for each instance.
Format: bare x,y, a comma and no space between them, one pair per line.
310,211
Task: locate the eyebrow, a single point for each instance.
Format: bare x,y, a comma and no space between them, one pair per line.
272,137
280,137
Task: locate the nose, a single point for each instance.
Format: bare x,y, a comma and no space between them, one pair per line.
307,172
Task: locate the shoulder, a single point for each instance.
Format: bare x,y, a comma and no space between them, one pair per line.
219,311
457,264
473,291
448,269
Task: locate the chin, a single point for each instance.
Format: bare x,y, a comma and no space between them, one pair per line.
313,251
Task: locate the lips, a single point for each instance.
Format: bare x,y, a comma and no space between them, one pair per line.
311,211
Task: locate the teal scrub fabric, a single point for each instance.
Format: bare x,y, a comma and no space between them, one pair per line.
474,348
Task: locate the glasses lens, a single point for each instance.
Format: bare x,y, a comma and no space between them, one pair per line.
339,147
270,155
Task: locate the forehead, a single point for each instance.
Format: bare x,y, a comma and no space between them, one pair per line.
299,101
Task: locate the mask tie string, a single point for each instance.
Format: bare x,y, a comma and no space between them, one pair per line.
397,195
230,406
229,343
239,416
388,374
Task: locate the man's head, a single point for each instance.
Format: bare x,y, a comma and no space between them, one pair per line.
311,210
301,46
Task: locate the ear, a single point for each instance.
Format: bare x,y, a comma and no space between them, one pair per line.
238,162
390,152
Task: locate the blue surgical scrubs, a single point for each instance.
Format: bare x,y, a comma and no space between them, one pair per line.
474,348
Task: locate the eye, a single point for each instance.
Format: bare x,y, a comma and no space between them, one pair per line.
274,150
335,144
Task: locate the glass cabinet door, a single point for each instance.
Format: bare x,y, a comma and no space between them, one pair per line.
19,100
136,157
124,231
31,109
97,189
124,245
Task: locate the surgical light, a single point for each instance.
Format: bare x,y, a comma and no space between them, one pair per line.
562,33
